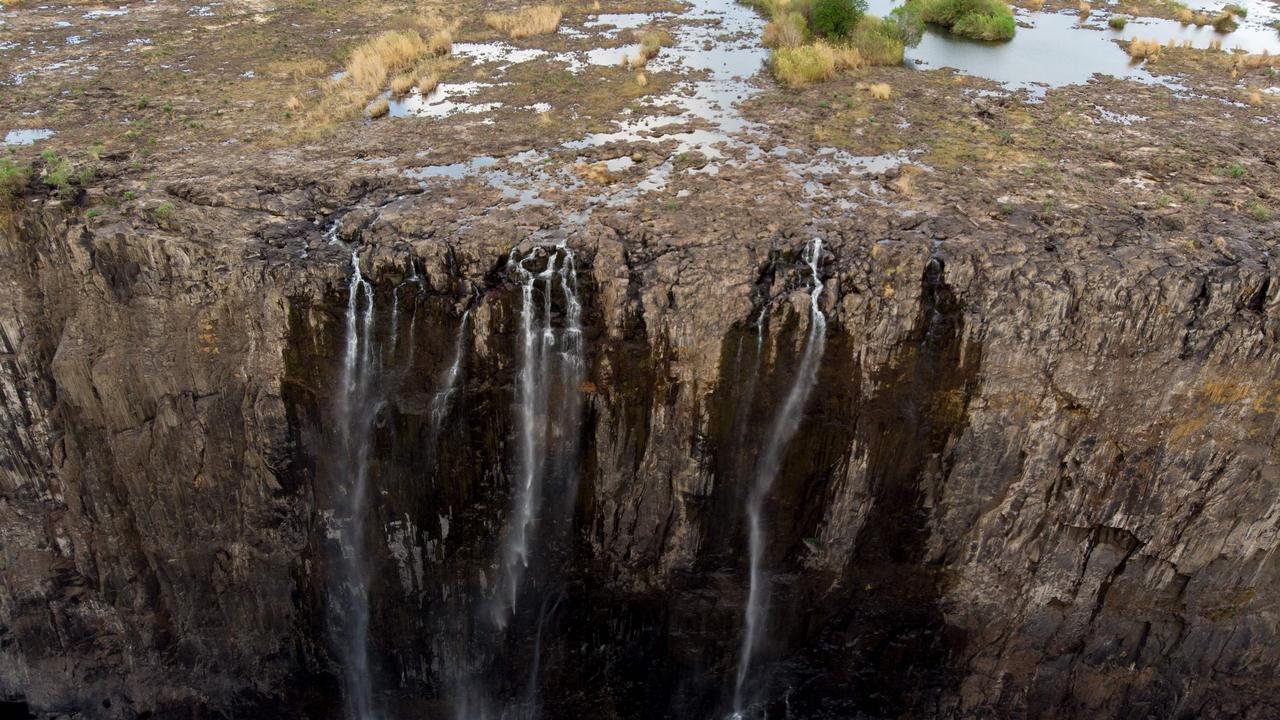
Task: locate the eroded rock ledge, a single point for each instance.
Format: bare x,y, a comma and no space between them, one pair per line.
1038,477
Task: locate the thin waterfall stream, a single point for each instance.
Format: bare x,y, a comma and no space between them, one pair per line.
356,407
785,424
533,552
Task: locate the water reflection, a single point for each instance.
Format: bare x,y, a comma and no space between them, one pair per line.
1056,49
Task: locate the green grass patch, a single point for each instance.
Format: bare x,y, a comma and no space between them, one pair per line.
13,177
1117,22
976,19
57,172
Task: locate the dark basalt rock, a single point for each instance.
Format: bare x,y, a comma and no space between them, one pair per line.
1036,478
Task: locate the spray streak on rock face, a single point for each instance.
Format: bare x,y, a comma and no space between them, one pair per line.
356,407
535,542
785,424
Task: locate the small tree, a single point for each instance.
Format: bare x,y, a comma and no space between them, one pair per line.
835,19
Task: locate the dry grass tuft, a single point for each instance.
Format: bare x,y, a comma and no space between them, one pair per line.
428,83
879,91
378,108
293,104
536,20
369,65
1256,61
595,172
641,79
1084,9
904,183
1255,98
849,58
1215,45
297,69
652,42
440,42
1143,49
402,84
785,31
805,64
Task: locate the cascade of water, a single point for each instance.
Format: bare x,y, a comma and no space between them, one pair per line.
395,321
355,410
532,402
525,596
440,401
784,426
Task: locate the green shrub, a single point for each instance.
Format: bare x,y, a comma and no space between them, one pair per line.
163,210
977,19
1236,10
13,177
834,19
908,23
1117,22
878,42
1225,23
57,172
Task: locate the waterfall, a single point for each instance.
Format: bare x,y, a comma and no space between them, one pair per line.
526,593
547,357
449,381
355,410
783,427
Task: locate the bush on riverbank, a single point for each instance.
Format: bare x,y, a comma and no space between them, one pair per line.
813,39
834,19
977,19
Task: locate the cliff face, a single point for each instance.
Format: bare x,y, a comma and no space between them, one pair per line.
1037,475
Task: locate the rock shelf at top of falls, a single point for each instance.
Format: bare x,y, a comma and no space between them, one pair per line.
550,407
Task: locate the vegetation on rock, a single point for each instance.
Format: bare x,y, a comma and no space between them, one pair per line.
811,41
13,177
976,19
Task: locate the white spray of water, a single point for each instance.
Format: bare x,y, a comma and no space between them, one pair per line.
449,381
548,410
785,424
356,408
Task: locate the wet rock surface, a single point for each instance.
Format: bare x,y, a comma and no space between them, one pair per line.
1036,478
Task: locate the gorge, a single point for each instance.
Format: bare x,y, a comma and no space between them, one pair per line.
704,399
